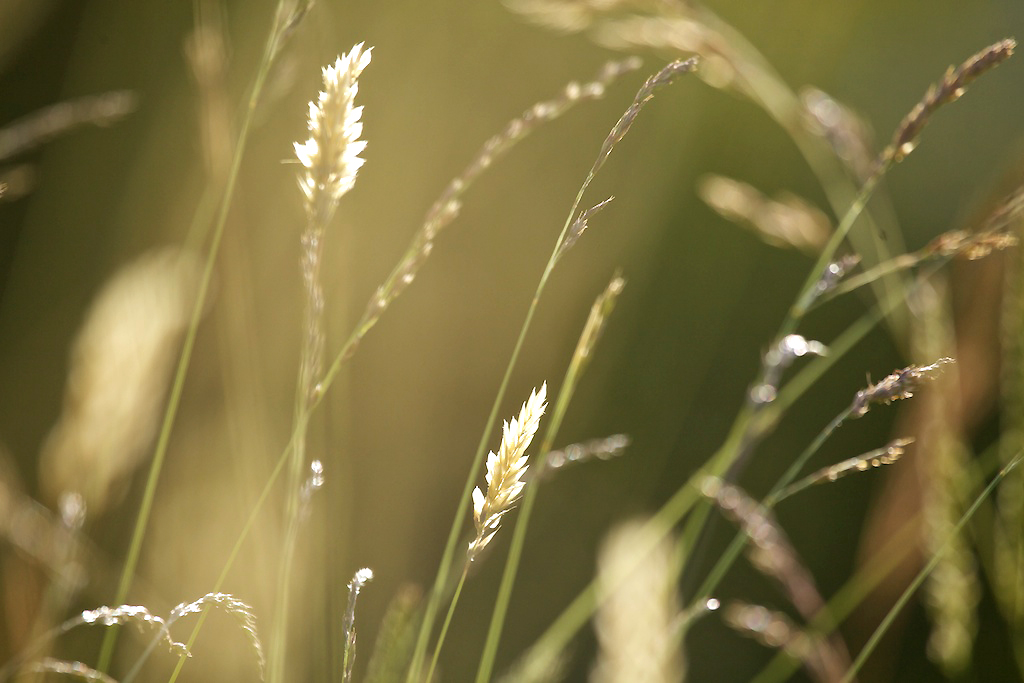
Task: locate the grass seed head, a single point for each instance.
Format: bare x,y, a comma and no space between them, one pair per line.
505,470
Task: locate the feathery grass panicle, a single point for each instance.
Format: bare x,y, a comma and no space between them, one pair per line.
331,154
360,579
639,615
953,84
505,470
898,386
787,221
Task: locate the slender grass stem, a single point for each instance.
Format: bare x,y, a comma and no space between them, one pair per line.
447,623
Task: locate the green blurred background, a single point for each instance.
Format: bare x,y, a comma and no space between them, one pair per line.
398,431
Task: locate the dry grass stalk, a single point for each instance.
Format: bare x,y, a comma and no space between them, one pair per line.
44,125
845,132
949,89
331,154
898,386
120,369
505,470
449,204
775,629
777,359
774,555
639,614
834,273
71,669
595,449
787,221
360,579
16,182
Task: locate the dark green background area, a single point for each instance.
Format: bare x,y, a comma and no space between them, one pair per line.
398,431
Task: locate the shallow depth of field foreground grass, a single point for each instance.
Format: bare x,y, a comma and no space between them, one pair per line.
536,340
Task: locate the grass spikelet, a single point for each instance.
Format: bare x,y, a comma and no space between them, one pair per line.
898,386
361,578
505,470
331,154
953,84
784,222
639,613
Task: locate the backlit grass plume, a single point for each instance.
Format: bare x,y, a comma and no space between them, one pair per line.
331,154
505,470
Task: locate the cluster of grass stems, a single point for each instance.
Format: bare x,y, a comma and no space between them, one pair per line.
670,536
